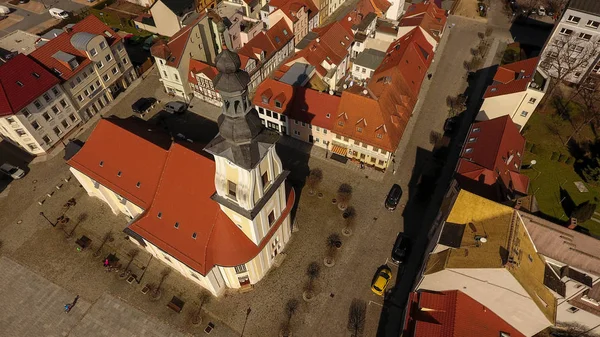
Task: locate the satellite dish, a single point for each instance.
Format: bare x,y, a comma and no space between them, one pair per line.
482,240
349,19
365,92
331,92
318,40
345,86
533,162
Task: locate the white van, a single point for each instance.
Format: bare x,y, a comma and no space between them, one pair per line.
58,13
13,171
4,10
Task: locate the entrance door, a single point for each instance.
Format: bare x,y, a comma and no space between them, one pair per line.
310,139
244,280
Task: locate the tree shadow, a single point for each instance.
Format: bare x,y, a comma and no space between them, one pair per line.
566,201
562,107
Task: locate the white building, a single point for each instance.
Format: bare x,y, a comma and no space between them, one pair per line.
571,51
365,64
35,113
227,228
91,62
200,78
516,91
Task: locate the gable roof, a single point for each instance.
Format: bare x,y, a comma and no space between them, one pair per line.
493,151
314,107
512,78
199,67
90,24
270,42
177,181
273,91
173,50
428,16
22,80
370,58
380,6
452,314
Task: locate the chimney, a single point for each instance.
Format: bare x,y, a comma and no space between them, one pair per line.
518,205
573,223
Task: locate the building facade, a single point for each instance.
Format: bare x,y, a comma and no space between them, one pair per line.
91,62
200,78
571,52
36,113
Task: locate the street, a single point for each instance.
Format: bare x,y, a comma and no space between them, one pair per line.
36,15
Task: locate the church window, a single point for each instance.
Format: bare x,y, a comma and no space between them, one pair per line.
232,189
271,218
265,179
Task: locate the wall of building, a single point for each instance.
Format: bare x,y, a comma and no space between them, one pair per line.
205,90
396,10
167,22
311,134
363,152
519,106
273,120
361,72
496,289
42,123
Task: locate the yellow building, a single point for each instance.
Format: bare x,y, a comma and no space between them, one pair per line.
220,223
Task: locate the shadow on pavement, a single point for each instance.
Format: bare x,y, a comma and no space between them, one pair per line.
530,31
13,155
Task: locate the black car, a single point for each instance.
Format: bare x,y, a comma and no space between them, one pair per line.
449,124
143,105
401,249
393,197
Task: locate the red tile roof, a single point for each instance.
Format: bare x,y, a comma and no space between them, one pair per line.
272,91
452,314
315,107
21,69
177,181
286,5
270,42
197,67
127,147
428,16
62,42
380,6
494,151
512,78
355,16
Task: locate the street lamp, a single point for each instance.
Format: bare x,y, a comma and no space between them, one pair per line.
248,311
45,217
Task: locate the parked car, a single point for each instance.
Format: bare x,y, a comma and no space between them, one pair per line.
4,10
175,107
12,171
23,1
541,11
401,248
58,13
381,280
449,124
393,197
143,105
550,11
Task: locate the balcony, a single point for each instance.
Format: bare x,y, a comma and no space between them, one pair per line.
539,82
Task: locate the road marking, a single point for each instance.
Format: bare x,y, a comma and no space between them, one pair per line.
379,304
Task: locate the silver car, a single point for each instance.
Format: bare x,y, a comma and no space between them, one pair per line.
13,171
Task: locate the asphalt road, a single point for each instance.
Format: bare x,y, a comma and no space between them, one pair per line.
31,19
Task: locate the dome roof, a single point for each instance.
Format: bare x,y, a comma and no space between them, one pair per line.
228,62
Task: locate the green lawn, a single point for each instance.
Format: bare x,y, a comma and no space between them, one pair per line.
547,131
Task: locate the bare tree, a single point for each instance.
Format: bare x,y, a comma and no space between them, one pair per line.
344,194
529,6
203,298
349,216
566,56
332,243
291,306
357,317
81,218
312,272
105,239
590,109
163,276
571,329
132,254
314,179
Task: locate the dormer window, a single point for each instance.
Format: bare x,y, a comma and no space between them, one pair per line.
285,32
73,63
340,123
119,174
36,75
472,139
177,225
19,83
476,130
379,135
468,150
265,99
359,129
138,184
101,163
328,115
278,104
159,215
194,235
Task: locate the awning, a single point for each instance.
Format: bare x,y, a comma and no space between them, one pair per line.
342,151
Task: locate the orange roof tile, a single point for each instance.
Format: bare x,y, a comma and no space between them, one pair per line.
314,107
428,16
62,42
452,314
197,67
270,42
512,78
272,91
380,6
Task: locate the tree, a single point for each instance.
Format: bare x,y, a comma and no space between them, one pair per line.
590,109
456,104
291,306
344,194
156,294
132,254
314,179
571,329
312,272
583,212
357,317
81,218
349,216
203,298
332,243
567,56
108,236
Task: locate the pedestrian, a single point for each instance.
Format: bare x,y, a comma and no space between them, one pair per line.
429,76
106,263
67,307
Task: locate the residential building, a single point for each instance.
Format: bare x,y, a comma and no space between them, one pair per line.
166,16
191,42
484,249
363,27
329,53
35,112
571,51
491,159
202,5
266,51
516,91
371,119
243,29
228,226
298,75
301,16
200,78
395,10
18,42
385,34
91,62
301,113
323,7
452,314
430,18
250,8
365,64
572,271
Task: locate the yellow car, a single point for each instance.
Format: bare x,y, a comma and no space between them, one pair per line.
381,280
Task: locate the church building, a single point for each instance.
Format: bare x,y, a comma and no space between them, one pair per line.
219,215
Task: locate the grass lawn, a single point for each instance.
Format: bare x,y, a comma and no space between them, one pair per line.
548,131
117,20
